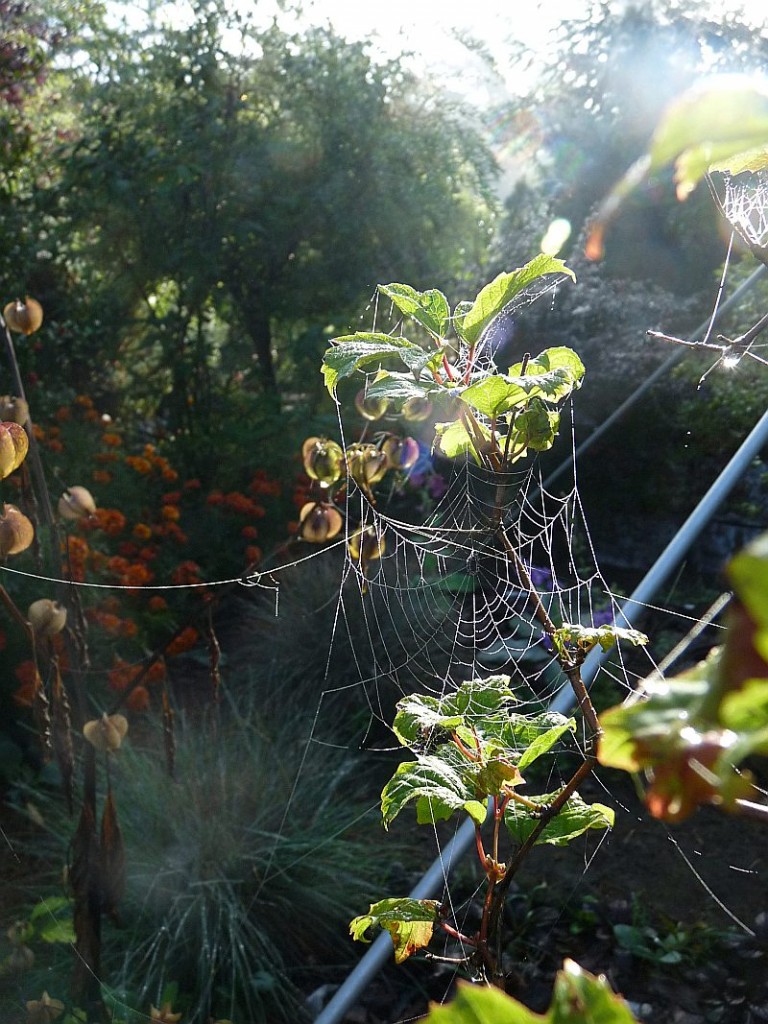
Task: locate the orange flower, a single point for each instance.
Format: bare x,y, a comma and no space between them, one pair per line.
157,604
249,532
106,457
141,531
101,476
63,413
84,401
253,553
121,674
171,498
27,674
38,432
192,485
110,520
156,673
170,475
172,531
109,623
170,513
139,464
117,565
185,641
128,628
147,553
112,440
215,498
186,573
137,575
128,549
90,416
138,699
54,445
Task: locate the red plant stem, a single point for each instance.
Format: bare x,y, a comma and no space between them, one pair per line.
480,848
456,934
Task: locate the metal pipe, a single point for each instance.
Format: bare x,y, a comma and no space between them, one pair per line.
372,962
674,552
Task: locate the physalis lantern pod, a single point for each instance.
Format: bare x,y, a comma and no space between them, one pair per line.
23,317
14,408
370,408
319,521
47,617
401,452
16,531
416,410
367,466
107,732
323,460
76,503
366,545
44,1010
14,445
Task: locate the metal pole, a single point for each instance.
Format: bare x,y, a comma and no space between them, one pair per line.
673,553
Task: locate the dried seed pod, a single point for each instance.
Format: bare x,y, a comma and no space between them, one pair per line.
402,452
416,410
107,732
16,531
366,545
20,958
23,317
323,460
319,521
44,1010
14,408
367,465
370,408
76,503
14,445
47,617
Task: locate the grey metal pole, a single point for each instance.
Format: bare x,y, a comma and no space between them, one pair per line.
673,553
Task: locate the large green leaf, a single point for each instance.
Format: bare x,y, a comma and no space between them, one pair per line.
536,428
578,998
552,376
429,308
409,922
574,818
438,787
454,440
471,705
471,320
396,386
748,571
353,352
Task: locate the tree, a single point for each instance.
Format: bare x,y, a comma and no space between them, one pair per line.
217,205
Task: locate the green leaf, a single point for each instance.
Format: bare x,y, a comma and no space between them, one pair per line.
409,922
575,818
578,998
552,376
710,122
353,352
536,428
752,160
471,705
454,440
429,308
471,321
545,741
584,638
748,572
398,387
439,789
746,709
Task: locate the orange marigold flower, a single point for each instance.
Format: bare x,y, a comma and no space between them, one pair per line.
109,623
106,457
138,699
24,695
253,553
128,549
172,531
192,485
157,604
137,575
128,627
149,450
121,674
26,672
38,432
215,498
249,532
185,641
170,475
170,513
54,445
156,672
139,464
186,573
110,520
101,476
148,553
84,401
117,564
63,413
113,440
141,531
90,416
171,498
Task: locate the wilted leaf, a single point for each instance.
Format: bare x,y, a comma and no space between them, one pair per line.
410,923
112,859
61,731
